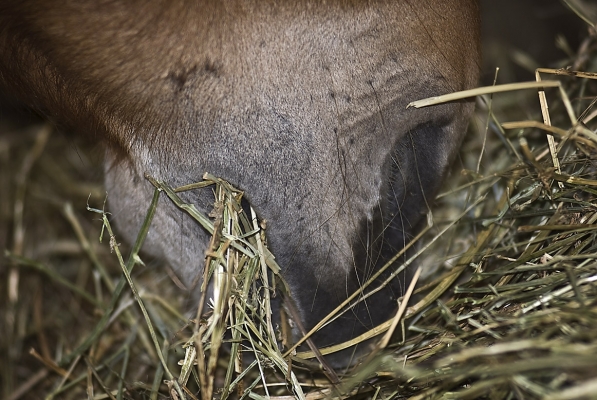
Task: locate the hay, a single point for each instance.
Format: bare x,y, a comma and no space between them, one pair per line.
510,310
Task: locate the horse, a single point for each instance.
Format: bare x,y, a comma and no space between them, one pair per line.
301,104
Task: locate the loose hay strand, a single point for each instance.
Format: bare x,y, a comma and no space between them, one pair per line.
125,269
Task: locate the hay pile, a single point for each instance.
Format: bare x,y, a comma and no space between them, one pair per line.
510,310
